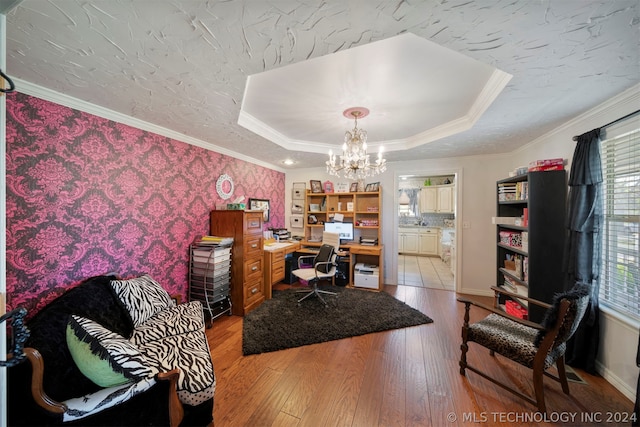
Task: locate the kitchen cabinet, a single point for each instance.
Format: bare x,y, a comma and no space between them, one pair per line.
446,199
428,200
428,241
408,241
418,241
437,199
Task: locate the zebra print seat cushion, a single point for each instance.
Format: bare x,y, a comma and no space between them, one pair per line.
175,338
106,358
510,339
177,320
142,296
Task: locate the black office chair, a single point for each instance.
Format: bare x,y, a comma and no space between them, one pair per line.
324,266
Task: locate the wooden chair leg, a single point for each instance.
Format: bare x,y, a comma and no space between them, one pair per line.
464,347
538,386
463,357
562,374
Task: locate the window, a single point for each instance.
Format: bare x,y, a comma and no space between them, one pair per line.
620,279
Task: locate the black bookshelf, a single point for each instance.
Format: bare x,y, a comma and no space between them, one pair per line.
545,200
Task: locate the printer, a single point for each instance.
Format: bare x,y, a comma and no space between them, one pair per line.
366,275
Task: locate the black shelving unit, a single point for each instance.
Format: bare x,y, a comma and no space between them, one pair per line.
545,200
210,279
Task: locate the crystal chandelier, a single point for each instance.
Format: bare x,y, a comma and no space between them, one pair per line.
354,162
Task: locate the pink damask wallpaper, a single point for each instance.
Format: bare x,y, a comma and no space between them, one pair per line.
89,196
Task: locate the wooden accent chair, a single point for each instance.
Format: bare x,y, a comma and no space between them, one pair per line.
536,346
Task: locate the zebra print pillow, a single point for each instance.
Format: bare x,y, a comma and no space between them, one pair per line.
143,297
106,358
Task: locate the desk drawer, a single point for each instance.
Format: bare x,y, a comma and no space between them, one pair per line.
253,268
277,272
253,292
252,246
363,250
277,256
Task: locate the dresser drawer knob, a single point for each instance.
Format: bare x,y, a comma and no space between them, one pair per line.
254,268
255,245
254,224
254,290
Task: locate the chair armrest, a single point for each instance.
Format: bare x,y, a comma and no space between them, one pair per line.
37,389
468,303
304,257
498,290
327,263
176,411
19,335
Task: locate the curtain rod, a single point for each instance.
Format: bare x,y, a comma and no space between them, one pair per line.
575,138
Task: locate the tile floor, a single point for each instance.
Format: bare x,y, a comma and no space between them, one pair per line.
428,272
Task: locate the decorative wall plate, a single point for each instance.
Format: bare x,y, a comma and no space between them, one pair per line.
224,186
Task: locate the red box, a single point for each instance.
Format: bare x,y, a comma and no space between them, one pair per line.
546,168
546,162
515,309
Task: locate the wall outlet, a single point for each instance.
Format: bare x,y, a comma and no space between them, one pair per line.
466,224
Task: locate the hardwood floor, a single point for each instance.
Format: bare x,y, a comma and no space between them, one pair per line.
404,377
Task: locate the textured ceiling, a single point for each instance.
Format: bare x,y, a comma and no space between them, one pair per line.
184,64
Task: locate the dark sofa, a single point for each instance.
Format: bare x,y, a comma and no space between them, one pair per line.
94,299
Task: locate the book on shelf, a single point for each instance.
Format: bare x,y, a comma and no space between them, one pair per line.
513,190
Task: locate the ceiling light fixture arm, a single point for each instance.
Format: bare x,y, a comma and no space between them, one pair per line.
354,162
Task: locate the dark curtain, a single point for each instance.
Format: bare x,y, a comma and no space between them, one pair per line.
583,245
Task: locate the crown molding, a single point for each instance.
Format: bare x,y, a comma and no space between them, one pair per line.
609,110
50,95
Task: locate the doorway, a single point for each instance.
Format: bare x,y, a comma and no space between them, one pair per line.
426,209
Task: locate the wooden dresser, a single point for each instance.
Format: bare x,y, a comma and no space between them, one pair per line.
247,285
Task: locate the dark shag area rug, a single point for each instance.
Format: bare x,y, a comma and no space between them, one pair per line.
281,323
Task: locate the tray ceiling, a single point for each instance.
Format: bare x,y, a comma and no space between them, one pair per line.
198,68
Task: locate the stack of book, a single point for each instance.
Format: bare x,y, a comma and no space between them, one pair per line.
509,285
507,191
213,241
513,191
546,165
522,190
368,242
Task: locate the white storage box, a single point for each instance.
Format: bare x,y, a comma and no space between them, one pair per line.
366,276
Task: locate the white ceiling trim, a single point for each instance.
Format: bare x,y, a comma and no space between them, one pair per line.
87,107
496,83
628,101
490,91
259,128
7,5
